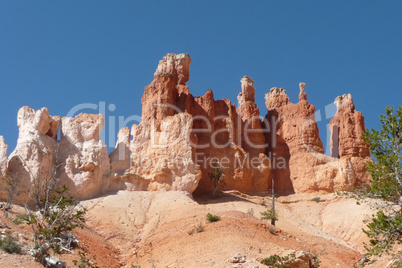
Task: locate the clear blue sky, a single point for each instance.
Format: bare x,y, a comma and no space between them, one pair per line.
58,54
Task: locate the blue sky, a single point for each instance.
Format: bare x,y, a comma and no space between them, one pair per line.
59,54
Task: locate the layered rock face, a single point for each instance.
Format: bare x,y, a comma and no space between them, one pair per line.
231,137
181,136
34,157
294,140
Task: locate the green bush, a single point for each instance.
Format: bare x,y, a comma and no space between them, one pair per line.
276,261
9,244
212,218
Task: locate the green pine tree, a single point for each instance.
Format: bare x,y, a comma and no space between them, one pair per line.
385,228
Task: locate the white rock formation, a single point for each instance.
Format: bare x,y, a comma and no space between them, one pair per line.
83,162
34,157
3,156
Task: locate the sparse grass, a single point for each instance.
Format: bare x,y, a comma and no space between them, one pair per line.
19,219
85,261
200,228
9,244
250,212
317,199
212,218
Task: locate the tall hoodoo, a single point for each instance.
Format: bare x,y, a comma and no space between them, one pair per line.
346,140
253,139
347,127
293,133
161,156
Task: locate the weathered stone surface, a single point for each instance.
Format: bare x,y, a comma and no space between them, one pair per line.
346,141
295,138
347,127
177,65
120,157
302,94
214,133
3,156
162,156
82,160
247,90
293,134
34,157
229,136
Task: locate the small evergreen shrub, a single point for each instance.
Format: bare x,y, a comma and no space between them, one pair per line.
212,218
269,214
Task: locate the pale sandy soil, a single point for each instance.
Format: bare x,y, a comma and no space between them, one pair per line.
152,228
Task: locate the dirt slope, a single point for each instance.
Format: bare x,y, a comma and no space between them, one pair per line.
148,227
159,228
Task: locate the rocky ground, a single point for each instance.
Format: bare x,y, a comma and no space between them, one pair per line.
160,229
